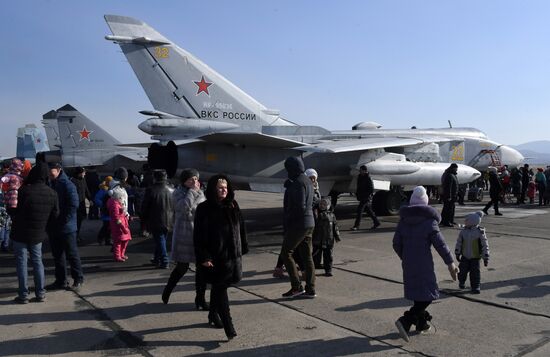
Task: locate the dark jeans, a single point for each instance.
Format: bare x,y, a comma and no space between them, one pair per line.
161,256
297,259
448,212
180,270
326,254
365,205
64,248
293,240
471,266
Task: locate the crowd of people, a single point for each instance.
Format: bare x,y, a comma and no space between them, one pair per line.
207,229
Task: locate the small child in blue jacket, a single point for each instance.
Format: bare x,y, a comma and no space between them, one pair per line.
471,247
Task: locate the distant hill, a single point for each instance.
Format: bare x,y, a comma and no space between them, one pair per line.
536,152
540,146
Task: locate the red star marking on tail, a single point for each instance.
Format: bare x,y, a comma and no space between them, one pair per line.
203,86
84,134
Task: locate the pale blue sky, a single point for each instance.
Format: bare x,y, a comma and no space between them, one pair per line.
483,64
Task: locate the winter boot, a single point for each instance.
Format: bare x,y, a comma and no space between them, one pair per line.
229,328
214,319
422,324
200,301
404,324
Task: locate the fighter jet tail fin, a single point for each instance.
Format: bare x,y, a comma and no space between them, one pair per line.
31,140
77,132
178,83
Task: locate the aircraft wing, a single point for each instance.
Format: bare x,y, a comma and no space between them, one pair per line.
136,145
338,146
251,139
135,156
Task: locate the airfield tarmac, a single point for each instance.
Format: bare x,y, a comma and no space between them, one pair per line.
118,312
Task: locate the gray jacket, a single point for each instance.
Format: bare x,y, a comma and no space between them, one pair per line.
185,202
472,243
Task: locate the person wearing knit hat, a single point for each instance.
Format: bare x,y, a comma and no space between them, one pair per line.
449,195
313,176
364,192
416,233
467,250
121,174
419,197
186,198
495,192
188,173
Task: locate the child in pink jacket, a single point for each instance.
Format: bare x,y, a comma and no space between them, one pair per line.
120,230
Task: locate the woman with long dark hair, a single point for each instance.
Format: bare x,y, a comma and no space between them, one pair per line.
220,242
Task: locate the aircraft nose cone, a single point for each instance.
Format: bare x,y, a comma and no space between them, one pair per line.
510,156
145,127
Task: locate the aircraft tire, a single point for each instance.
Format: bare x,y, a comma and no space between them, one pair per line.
386,203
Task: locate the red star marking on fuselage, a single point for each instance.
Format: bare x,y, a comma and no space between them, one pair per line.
84,134
203,86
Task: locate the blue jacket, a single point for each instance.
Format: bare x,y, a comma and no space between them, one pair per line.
98,201
416,232
68,204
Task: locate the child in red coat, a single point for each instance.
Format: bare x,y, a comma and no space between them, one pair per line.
120,229
531,189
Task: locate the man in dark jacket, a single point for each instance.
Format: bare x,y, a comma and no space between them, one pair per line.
157,214
83,194
364,192
63,235
37,209
495,191
449,195
298,227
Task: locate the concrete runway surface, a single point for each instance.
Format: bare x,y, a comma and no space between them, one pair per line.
119,312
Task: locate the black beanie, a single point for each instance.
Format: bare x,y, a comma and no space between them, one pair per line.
121,174
186,174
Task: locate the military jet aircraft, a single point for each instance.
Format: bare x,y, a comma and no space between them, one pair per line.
204,121
81,142
30,140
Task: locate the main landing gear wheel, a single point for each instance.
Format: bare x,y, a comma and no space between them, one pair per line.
386,203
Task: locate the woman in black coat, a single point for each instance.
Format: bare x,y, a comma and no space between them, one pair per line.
220,242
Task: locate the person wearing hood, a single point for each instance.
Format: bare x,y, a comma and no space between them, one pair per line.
100,200
219,237
364,193
63,236
186,198
324,235
416,233
495,192
36,213
298,228
471,246
157,214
